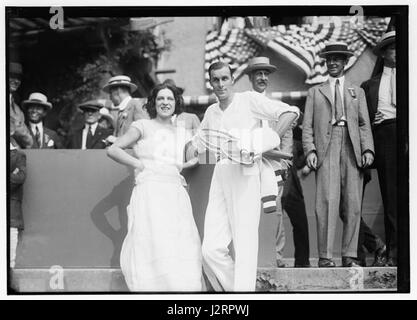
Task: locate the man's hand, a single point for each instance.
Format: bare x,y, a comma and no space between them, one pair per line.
312,160
247,157
367,159
110,139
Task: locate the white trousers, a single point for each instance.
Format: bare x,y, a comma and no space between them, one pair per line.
232,214
14,234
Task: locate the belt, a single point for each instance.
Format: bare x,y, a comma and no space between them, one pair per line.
341,123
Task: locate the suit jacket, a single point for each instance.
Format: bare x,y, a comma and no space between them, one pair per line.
21,132
50,140
133,111
371,88
317,123
75,140
17,178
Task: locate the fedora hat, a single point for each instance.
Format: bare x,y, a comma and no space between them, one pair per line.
120,81
336,48
259,63
37,99
385,40
15,68
91,104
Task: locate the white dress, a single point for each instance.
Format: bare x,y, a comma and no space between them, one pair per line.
162,248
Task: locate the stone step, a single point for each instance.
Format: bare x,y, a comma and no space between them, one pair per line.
59,280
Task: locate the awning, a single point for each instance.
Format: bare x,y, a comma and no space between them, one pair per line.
21,27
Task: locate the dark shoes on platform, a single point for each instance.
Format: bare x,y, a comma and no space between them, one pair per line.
326,263
302,265
349,262
392,262
380,257
281,264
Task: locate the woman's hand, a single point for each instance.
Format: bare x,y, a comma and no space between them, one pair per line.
139,165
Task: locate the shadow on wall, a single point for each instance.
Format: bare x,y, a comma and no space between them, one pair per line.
100,220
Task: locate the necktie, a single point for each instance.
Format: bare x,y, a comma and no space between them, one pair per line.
393,88
89,138
119,122
38,137
338,101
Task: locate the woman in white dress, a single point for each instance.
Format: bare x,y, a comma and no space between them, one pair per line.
162,248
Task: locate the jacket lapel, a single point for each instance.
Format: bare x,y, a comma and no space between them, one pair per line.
374,91
325,90
347,97
35,144
96,137
78,139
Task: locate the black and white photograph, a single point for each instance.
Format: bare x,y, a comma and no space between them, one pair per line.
199,150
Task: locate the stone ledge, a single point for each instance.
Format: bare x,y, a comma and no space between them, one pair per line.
268,280
327,279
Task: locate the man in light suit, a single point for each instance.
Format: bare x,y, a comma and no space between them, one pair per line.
37,107
92,136
128,109
382,104
258,71
338,144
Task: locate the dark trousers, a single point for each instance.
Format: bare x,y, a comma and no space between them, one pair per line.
293,203
385,137
367,240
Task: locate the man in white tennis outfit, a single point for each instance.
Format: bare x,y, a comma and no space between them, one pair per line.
234,204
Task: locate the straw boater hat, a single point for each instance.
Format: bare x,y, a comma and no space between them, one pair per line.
385,40
37,98
336,48
120,81
260,63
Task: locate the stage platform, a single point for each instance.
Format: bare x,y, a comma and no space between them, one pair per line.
278,280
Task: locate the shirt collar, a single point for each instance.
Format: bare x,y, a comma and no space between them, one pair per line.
34,125
93,126
387,70
333,80
124,103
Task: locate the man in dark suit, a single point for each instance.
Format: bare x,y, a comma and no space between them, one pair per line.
17,178
37,107
21,133
381,99
338,144
92,136
128,109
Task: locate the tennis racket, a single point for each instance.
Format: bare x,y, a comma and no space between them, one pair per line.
224,144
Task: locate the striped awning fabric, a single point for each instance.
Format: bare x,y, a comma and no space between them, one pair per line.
299,44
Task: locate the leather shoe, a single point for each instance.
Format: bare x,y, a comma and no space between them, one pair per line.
349,262
361,262
392,262
281,264
326,263
380,257
302,265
